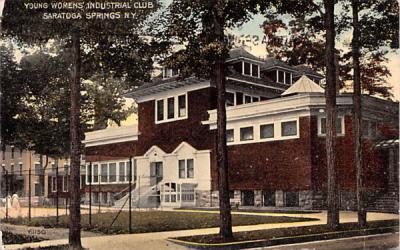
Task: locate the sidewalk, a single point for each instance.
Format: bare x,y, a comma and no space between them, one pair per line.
157,241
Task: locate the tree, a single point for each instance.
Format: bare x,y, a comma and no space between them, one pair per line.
388,18
200,26
330,96
300,40
78,33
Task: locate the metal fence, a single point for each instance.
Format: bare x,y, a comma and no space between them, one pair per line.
31,194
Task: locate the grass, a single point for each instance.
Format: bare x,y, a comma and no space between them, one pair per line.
154,221
271,234
11,238
279,211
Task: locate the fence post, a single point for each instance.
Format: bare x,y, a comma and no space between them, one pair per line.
6,195
30,194
57,193
130,194
90,193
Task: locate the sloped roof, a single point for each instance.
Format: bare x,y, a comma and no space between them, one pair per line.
304,85
272,62
304,69
241,52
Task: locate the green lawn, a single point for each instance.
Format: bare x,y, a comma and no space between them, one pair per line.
155,221
271,234
279,211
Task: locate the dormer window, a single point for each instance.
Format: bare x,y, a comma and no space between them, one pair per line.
250,69
168,73
284,77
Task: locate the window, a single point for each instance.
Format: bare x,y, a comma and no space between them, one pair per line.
182,105
20,153
65,183
112,172
267,131
247,99
186,168
12,169
181,169
37,169
230,99
292,199
171,108
288,78
190,168
268,198
103,170
167,72
339,129
53,184
255,99
95,173
239,98
12,152
160,110
246,70
289,128
156,169
280,76
251,69
246,134
229,135
66,169
20,169
254,70
122,172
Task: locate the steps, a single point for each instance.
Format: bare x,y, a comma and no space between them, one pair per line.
143,197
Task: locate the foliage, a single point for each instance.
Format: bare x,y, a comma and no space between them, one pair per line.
156,221
301,39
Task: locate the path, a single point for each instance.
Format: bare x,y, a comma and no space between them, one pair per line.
157,241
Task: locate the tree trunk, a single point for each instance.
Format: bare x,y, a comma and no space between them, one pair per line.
362,214
225,229
330,95
74,192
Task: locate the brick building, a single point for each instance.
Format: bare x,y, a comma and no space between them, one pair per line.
275,138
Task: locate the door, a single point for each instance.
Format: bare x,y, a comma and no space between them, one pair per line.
156,172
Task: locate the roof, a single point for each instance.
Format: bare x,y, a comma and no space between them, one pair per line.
304,69
272,62
241,52
304,85
111,135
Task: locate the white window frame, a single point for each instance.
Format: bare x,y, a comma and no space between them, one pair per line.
251,69
65,183
53,187
341,117
240,133
284,77
269,138
185,176
290,136
176,109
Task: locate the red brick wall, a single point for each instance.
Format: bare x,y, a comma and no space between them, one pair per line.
169,135
277,165
375,176
114,151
